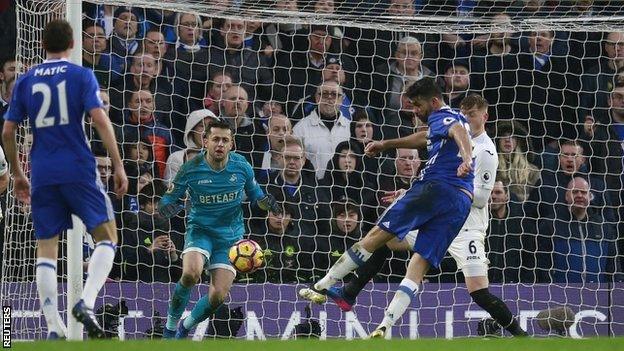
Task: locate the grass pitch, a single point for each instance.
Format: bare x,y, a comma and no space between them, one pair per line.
507,344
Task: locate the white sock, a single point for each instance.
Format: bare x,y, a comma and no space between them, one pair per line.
399,303
347,263
48,294
100,265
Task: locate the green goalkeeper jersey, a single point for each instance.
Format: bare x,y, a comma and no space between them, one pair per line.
215,196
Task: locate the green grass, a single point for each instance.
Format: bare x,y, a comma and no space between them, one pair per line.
508,344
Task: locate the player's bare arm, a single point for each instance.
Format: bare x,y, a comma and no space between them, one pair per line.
22,185
414,141
103,125
458,133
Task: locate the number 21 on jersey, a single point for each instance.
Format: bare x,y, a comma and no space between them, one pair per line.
43,120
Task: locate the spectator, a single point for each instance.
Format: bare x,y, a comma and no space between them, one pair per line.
244,65
279,128
234,105
550,189
189,31
297,186
154,44
216,86
123,41
362,132
456,82
546,93
5,97
344,175
8,66
406,166
282,36
332,71
506,250
94,55
389,80
401,122
193,139
97,146
299,73
577,246
288,255
345,231
325,127
141,121
597,81
105,169
142,75
147,251
256,40
514,167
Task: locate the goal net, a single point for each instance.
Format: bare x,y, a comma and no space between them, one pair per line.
332,74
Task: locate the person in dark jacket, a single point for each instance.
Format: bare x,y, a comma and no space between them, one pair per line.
577,246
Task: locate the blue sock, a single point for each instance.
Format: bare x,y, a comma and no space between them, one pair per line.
178,303
202,311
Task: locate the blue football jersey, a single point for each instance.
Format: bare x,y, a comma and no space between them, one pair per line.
54,96
444,156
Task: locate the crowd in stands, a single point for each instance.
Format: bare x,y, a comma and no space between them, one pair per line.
304,100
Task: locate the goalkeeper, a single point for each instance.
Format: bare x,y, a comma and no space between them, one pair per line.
216,181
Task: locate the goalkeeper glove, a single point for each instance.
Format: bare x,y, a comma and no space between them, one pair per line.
172,209
268,203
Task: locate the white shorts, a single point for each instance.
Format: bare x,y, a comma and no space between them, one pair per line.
468,250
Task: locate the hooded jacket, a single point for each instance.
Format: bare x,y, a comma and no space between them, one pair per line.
176,159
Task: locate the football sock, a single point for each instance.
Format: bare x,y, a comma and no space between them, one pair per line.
400,302
179,300
349,261
366,272
202,311
100,264
48,294
498,310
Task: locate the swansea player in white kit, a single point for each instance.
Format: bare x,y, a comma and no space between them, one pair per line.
468,248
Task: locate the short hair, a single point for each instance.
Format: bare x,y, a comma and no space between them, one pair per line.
4,59
88,23
425,88
474,100
57,36
409,40
360,114
572,143
219,124
290,140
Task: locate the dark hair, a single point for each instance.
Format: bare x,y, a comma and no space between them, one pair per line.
474,100
57,36
4,59
219,125
425,88
88,23
344,205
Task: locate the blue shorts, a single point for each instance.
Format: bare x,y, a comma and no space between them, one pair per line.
215,250
53,205
437,210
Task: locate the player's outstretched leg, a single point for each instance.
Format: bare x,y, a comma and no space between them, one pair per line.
353,258
46,278
416,270
192,267
221,280
345,297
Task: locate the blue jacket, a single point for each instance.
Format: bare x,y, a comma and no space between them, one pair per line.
577,251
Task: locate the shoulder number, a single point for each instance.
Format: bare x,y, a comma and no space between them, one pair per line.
43,120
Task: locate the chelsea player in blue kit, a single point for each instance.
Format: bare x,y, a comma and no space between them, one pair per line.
55,96
216,182
437,204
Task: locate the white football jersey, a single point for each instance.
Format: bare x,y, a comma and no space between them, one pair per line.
3,163
486,164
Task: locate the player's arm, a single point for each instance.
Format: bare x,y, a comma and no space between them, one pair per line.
485,176
171,203
265,202
105,129
4,173
413,141
460,135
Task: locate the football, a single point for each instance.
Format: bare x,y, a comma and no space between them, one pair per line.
246,256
